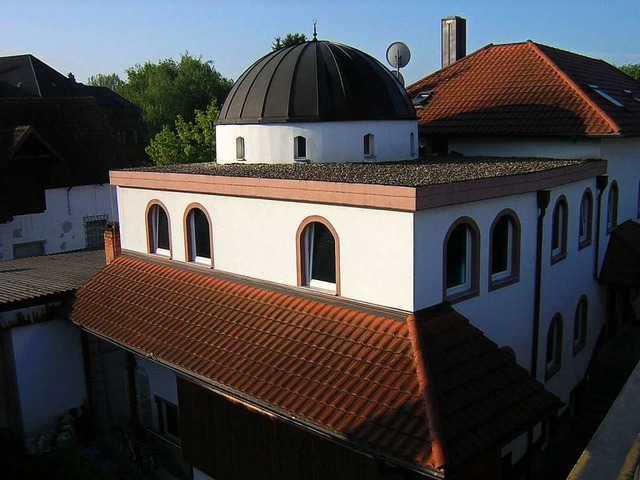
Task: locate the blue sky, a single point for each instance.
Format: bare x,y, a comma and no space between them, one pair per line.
104,36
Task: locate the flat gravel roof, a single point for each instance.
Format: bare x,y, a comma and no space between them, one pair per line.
415,173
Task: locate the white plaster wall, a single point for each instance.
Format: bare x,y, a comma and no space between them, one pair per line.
505,315
49,372
326,141
60,226
549,147
257,238
563,283
162,382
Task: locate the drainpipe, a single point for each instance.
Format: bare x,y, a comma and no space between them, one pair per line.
542,198
69,200
601,184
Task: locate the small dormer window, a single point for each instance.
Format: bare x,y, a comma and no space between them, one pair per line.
421,98
412,144
368,145
240,148
604,94
300,148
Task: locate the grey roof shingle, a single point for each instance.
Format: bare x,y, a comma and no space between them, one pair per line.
27,279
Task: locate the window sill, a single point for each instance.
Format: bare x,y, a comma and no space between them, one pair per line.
369,157
551,371
503,282
578,347
584,244
558,257
302,160
461,296
241,159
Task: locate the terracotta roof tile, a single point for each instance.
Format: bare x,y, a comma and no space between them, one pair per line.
527,89
349,373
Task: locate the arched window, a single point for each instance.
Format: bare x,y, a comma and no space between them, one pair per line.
198,232
612,207
559,230
368,145
239,148
580,325
586,219
554,346
461,250
300,148
505,249
318,255
412,144
158,230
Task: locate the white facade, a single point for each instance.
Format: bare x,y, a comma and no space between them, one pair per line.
395,259
338,141
61,227
51,353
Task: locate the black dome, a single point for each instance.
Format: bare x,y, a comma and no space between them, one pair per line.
316,81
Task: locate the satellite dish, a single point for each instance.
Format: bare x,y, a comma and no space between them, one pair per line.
398,55
399,76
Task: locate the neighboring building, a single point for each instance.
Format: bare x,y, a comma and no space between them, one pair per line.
57,145
42,374
527,99
26,75
350,318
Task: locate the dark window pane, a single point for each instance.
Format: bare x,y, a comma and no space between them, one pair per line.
301,147
500,246
163,229
201,231
323,266
173,420
457,257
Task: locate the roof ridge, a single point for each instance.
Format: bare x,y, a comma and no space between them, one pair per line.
33,70
537,48
427,389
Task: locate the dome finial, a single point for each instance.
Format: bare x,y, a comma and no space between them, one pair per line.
315,33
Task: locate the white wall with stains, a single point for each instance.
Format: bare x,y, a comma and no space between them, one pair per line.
61,227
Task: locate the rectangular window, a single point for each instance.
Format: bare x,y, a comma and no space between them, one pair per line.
94,231
168,419
30,249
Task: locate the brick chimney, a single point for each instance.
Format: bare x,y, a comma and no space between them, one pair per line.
454,39
112,248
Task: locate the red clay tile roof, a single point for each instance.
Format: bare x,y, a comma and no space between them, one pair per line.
428,392
527,89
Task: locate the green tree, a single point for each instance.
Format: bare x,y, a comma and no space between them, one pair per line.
111,81
187,142
168,88
631,69
290,39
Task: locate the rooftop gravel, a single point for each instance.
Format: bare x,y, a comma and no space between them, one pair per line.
415,173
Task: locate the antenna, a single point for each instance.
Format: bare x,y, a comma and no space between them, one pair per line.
398,56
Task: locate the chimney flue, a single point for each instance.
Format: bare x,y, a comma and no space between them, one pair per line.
454,39
112,248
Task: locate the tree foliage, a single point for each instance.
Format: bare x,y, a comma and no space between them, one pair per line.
111,81
189,141
168,89
631,69
290,39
